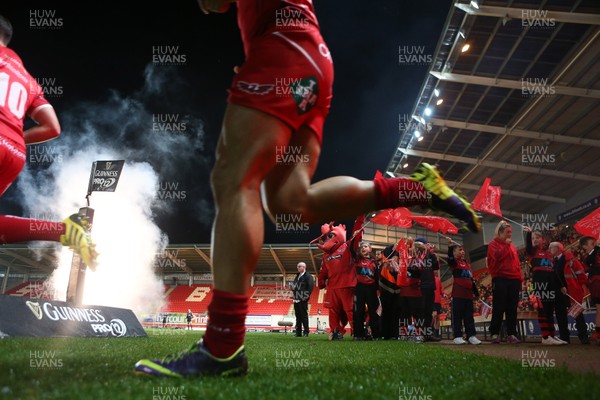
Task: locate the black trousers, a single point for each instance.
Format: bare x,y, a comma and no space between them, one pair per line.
366,295
581,326
301,311
462,313
561,306
411,308
428,300
389,314
505,294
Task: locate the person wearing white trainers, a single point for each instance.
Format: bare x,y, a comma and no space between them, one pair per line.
463,292
558,341
549,341
474,340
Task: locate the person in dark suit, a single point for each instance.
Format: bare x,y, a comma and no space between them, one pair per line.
302,288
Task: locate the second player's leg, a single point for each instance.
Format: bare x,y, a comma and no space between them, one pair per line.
245,154
288,189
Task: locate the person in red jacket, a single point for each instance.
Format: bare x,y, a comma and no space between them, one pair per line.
574,275
592,264
505,269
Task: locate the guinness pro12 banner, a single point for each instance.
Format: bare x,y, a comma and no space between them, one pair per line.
105,176
30,317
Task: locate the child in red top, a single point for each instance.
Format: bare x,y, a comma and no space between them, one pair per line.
462,295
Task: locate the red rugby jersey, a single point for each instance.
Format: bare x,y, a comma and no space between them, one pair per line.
20,95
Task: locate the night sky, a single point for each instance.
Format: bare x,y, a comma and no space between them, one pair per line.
97,54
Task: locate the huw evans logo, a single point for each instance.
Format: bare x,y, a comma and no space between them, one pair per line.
168,55
45,19
413,55
531,87
537,19
537,222
537,156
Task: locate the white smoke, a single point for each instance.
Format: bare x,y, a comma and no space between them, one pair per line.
127,237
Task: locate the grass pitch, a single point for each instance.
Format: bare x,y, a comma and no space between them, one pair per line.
281,367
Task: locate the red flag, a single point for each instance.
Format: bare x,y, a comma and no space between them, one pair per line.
436,224
488,199
590,225
357,230
575,310
400,217
378,175
486,309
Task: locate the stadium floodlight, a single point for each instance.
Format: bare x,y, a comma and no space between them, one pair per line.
420,119
405,165
427,111
439,102
436,93
475,5
417,133
465,48
420,138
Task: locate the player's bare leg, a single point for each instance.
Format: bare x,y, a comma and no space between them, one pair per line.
245,155
288,189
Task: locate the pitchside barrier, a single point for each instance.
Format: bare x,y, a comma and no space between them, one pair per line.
30,317
254,323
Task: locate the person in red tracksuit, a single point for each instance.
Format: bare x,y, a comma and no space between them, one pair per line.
546,288
365,293
592,263
574,275
507,277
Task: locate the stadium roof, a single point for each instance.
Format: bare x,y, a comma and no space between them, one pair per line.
191,259
520,106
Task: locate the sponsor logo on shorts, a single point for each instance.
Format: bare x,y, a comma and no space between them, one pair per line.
306,93
255,88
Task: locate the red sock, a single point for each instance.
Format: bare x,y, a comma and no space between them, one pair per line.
399,192
226,326
15,230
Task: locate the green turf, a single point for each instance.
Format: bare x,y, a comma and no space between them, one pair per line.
281,367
